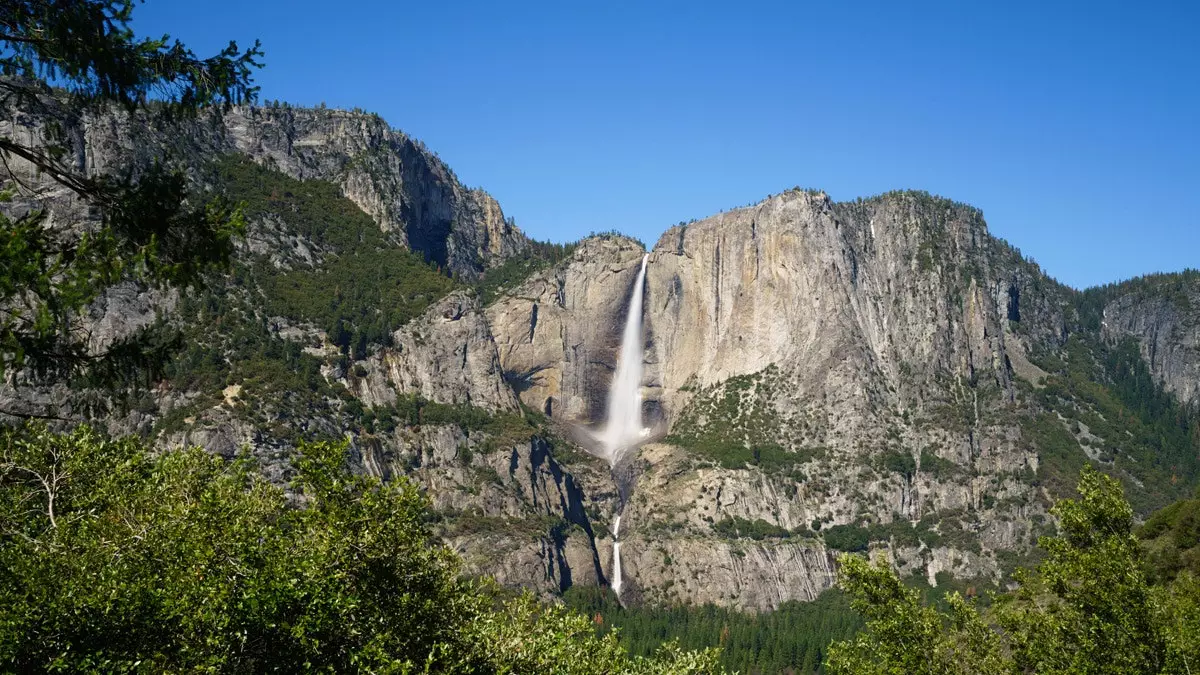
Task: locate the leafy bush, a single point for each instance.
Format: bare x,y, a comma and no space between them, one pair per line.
937,467
1172,540
847,537
898,461
116,559
1087,608
758,529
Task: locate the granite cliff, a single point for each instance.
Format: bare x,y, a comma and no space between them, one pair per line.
821,376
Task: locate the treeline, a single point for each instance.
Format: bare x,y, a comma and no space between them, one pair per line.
791,639
1176,287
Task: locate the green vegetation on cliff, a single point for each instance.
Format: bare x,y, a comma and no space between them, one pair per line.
1171,538
1103,396
360,284
515,270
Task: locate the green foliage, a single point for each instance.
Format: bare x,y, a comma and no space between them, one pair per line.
362,288
1171,538
758,529
1147,434
1059,454
734,425
905,636
846,537
792,638
857,538
937,467
114,559
898,462
151,229
516,269
1088,608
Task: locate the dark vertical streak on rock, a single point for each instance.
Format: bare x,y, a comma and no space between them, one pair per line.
717,289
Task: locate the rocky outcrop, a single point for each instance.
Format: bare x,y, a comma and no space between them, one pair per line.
1162,314
841,332
511,511
887,298
743,574
558,334
395,179
446,355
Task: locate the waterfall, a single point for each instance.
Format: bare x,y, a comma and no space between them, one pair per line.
623,430
616,580
624,427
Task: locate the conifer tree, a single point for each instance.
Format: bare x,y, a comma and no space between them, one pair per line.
61,60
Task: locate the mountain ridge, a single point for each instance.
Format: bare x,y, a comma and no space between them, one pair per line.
882,373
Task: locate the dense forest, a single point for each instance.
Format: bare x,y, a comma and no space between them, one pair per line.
791,639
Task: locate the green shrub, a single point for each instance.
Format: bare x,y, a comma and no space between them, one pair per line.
898,461
184,562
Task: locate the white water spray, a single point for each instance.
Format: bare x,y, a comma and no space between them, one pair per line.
616,580
624,427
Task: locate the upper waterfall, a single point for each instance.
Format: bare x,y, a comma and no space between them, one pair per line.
624,429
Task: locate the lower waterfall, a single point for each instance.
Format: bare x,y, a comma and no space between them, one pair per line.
616,580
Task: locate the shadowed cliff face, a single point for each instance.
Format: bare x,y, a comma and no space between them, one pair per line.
1163,315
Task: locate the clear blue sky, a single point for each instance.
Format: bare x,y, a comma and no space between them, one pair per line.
1075,126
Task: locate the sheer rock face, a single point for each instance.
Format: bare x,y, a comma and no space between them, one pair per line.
746,575
498,502
558,334
889,294
872,318
391,177
445,355
1167,329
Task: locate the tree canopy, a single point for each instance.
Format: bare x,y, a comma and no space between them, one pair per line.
60,61
1088,607
115,559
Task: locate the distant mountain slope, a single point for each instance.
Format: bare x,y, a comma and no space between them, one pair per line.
1162,313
